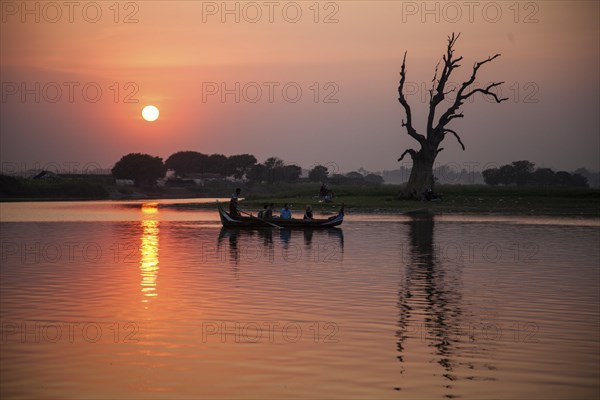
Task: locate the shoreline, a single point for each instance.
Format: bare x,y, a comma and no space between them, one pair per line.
584,208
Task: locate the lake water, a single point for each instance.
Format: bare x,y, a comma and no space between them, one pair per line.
125,300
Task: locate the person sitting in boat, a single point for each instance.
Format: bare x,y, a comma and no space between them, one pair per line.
233,203
308,214
262,213
286,213
269,211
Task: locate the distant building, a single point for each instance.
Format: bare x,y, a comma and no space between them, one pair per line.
47,175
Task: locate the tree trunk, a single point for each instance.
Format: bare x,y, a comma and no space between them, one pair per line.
421,175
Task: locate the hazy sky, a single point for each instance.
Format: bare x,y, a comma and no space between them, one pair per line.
310,82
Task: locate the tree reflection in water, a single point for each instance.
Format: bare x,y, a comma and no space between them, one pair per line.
430,300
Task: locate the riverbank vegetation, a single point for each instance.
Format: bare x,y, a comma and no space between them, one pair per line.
515,188
365,197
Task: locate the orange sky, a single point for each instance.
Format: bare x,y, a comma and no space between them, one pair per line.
170,52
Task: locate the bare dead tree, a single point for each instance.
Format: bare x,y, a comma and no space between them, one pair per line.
421,176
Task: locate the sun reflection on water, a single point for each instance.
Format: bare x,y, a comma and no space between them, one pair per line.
149,252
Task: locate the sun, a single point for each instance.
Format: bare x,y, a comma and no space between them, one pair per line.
150,113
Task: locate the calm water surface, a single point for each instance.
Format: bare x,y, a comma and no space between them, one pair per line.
124,300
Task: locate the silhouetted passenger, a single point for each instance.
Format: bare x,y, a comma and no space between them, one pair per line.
233,203
269,211
308,214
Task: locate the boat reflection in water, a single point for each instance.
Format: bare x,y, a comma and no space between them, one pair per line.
149,252
254,244
430,307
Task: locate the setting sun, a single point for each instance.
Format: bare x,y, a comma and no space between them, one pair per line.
150,113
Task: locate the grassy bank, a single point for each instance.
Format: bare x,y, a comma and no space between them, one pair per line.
477,199
456,199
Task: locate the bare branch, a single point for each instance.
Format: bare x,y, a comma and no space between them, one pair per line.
440,94
487,60
486,91
459,115
451,112
456,136
433,82
449,91
408,151
402,99
438,150
452,39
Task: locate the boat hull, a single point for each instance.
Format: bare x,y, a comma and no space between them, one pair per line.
255,222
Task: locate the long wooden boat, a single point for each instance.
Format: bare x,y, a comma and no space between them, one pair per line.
255,222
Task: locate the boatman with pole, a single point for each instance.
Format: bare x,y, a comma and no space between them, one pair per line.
233,203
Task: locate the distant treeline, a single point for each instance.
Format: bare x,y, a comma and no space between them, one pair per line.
52,187
146,169
523,173
454,174
190,174
447,174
